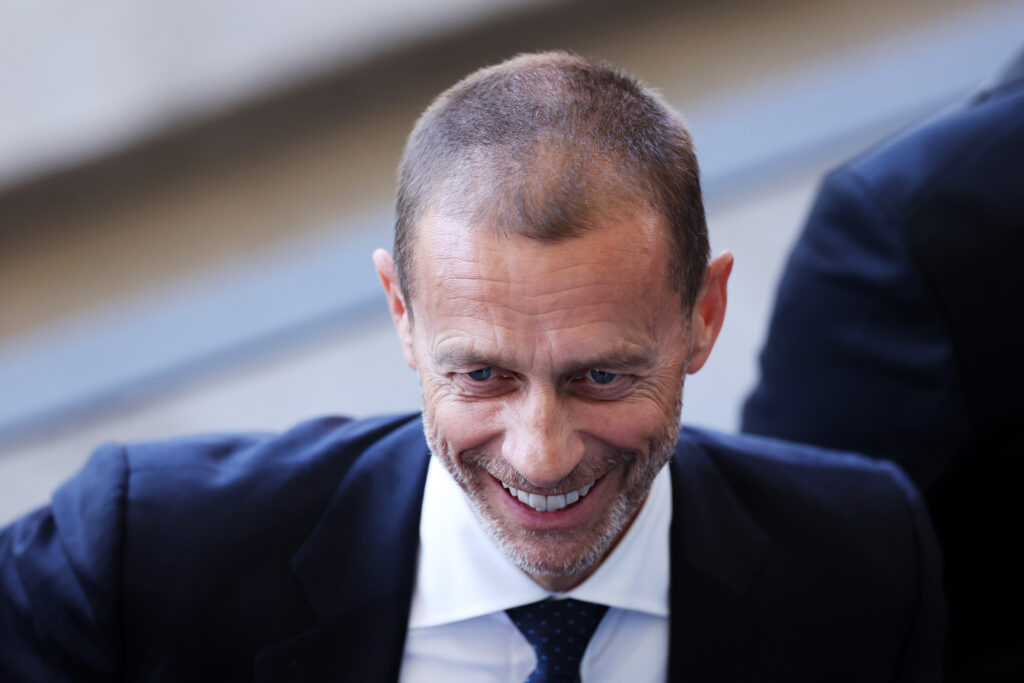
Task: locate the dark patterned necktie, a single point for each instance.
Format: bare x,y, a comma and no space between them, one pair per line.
559,631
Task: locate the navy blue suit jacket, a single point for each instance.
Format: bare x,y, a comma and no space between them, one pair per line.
292,558
897,333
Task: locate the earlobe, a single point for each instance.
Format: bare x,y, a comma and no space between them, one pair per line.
385,266
709,311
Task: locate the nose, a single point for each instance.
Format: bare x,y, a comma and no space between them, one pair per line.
540,440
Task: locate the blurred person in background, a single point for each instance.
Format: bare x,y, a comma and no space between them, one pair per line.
897,333
551,286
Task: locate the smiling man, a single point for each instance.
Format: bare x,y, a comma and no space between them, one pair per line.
551,378
552,288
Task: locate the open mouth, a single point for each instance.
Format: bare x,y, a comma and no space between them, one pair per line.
548,503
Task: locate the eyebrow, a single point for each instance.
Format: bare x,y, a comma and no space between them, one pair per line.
620,359
463,358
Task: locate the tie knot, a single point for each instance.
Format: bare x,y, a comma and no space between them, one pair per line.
559,631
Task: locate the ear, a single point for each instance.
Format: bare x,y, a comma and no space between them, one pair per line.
396,303
709,311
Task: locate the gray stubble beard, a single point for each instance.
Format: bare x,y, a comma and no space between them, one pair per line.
624,509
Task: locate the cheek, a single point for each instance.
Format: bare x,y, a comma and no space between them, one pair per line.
631,425
463,424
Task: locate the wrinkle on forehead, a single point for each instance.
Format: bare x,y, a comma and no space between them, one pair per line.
474,256
527,311
531,302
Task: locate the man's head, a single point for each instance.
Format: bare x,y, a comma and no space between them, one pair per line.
542,145
546,267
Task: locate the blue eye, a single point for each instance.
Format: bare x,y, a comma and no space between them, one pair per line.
601,377
481,375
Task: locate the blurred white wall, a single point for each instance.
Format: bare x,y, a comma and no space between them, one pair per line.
81,79
240,295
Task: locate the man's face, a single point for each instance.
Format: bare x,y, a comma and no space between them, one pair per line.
551,377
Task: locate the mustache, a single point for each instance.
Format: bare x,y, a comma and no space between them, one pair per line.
585,472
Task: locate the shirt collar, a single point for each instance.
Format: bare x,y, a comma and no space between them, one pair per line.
462,574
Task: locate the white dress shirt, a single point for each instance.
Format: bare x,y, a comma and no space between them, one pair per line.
458,629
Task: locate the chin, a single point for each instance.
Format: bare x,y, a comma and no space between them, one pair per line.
556,554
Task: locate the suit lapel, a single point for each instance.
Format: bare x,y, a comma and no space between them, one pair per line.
357,570
718,552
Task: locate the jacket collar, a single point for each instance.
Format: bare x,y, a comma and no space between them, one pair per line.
718,553
357,569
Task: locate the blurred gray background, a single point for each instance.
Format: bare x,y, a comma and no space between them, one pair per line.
190,191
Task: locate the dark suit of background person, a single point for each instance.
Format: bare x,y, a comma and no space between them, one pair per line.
292,558
899,332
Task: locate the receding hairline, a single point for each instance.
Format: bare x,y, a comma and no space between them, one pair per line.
466,169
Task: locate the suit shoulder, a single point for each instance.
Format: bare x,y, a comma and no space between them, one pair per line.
763,471
955,151
831,545
316,439
826,515
226,504
768,451
223,474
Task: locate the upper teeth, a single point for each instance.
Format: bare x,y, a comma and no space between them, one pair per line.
549,503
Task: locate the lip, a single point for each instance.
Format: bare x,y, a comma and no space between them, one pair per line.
565,517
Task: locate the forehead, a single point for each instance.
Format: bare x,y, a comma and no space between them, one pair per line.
603,292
